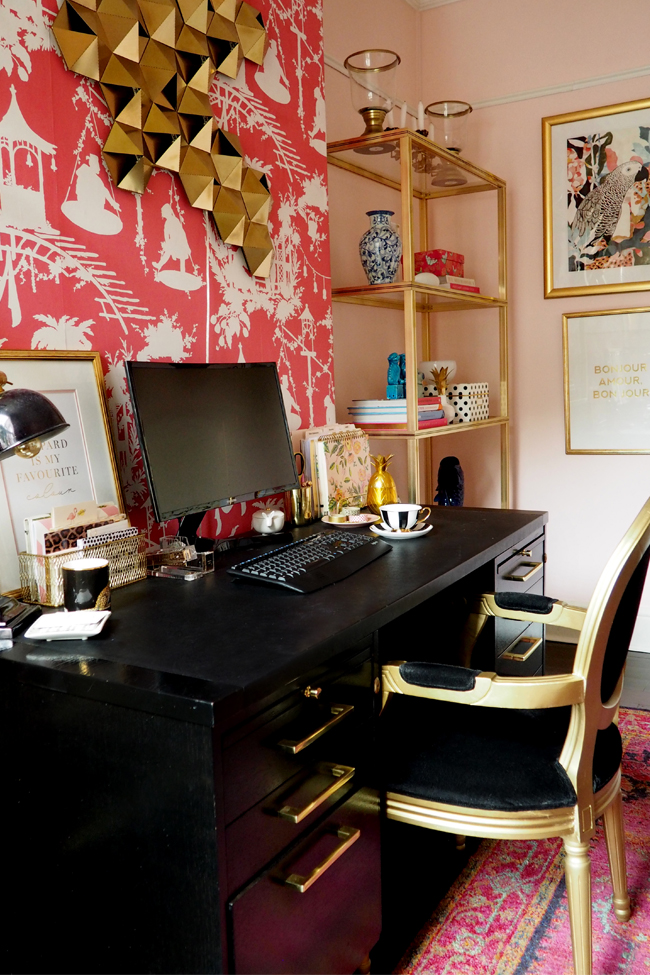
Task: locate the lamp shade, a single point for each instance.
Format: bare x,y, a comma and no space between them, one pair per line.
26,415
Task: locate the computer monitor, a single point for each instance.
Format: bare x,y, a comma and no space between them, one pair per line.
211,434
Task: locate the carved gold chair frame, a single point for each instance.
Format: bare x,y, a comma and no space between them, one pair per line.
582,691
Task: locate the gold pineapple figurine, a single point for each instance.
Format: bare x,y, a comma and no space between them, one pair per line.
381,486
440,379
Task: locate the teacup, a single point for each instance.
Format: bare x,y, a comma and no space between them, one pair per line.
403,517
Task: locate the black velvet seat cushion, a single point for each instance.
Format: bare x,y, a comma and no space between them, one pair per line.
490,758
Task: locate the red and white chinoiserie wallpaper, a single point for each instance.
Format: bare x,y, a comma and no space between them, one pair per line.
86,266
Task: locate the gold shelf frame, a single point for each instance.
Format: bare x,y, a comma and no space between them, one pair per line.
413,299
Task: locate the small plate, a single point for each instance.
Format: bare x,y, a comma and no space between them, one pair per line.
368,520
401,536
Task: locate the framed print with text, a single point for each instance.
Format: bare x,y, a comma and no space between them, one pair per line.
597,200
607,381
76,465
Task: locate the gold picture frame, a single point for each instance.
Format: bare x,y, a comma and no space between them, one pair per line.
597,247
606,356
83,459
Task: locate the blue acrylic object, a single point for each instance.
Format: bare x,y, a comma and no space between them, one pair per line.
380,248
396,391
394,375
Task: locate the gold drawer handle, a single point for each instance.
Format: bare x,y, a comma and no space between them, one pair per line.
348,835
534,567
520,657
338,712
340,774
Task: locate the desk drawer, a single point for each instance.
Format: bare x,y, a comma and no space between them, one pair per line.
297,733
525,656
507,631
335,920
522,570
277,821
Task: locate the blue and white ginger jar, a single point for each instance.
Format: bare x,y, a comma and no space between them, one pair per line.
380,248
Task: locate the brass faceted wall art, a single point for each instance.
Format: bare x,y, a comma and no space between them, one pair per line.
155,61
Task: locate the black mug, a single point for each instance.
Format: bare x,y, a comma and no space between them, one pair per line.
85,585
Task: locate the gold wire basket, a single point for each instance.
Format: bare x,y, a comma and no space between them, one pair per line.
41,576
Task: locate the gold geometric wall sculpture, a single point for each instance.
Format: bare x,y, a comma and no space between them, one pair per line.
155,61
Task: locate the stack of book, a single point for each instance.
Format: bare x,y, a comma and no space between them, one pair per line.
458,284
390,414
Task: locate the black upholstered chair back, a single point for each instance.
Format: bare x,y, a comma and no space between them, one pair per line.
602,648
611,616
620,634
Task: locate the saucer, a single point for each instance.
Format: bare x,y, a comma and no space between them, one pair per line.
368,520
400,536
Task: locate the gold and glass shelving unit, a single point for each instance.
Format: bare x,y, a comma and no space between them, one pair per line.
409,163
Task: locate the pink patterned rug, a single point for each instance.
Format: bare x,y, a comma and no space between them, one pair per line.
507,912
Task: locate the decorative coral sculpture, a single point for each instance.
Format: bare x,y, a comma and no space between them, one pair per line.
155,61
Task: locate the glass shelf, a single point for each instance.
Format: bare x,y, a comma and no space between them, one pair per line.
418,169
427,434
378,158
428,299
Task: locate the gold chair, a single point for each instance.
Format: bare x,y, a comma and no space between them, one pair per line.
525,758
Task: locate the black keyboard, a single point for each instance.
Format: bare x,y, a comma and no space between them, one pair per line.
313,562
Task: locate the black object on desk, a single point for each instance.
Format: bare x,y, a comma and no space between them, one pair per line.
165,784
15,616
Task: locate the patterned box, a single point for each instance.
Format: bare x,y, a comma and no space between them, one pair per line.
471,401
439,262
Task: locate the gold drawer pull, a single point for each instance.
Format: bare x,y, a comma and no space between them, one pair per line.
340,775
520,657
338,712
348,835
533,567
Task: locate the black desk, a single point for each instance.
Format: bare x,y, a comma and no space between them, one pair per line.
148,774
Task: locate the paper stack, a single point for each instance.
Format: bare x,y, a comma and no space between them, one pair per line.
385,414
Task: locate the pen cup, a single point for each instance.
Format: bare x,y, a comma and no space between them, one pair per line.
85,585
300,504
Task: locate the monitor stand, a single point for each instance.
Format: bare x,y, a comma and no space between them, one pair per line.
190,524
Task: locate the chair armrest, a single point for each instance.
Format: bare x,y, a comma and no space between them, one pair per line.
548,611
449,677
490,690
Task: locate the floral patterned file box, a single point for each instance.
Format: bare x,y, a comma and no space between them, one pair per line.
344,469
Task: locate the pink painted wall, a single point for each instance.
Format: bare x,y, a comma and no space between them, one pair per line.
477,51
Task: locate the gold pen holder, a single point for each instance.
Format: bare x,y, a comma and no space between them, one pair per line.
300,505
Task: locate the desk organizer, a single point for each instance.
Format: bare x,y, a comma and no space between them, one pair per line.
41,576
471,401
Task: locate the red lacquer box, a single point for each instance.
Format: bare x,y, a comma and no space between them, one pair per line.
439,262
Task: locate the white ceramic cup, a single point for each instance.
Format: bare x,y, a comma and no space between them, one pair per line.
403,517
